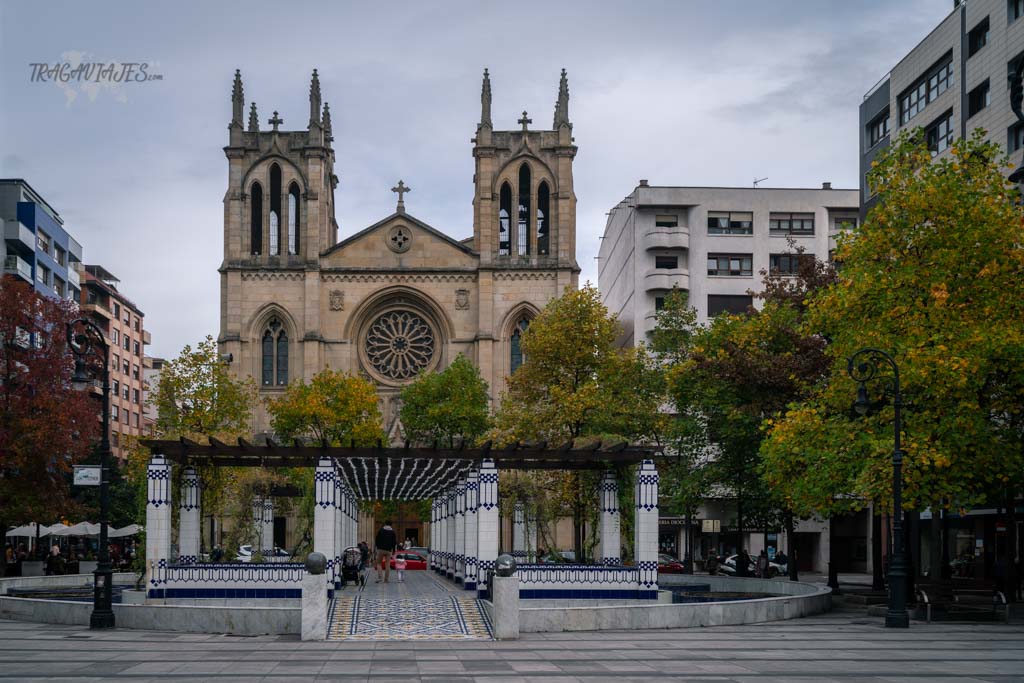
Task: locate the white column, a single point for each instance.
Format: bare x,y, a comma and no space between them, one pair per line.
472,497
531,534
646,528
158,522
487,523
610,541
323,515
450,530
460,531
339,515
188,518
268,528
519,532
434,524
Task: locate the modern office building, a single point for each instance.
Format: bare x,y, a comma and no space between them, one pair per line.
36,247
953,81
122,322
713,242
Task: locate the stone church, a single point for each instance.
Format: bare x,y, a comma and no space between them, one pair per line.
401,296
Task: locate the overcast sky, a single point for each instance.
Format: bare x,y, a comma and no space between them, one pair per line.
681,93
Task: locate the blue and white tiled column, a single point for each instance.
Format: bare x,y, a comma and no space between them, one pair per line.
460,531
487,524
268,528
450,533
433,534
472,498
519,532
531,534
646,529
158,521
442,532
188,518
339,516
323,514
608,552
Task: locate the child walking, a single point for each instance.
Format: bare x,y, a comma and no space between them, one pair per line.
400,566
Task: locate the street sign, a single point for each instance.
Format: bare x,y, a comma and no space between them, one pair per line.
87,475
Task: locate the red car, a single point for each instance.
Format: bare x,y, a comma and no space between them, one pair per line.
412,560
669,565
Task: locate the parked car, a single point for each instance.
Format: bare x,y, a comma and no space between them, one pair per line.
669,565
728,567
412,560
425,552
245,553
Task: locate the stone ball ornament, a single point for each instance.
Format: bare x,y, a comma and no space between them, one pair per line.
505,565
316,563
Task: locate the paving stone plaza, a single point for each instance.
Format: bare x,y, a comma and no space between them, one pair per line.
844,646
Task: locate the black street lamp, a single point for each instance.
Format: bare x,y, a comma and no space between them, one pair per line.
862,367
87,342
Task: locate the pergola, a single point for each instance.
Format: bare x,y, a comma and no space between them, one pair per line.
462,483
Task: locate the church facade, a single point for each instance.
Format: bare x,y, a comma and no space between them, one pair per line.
399,297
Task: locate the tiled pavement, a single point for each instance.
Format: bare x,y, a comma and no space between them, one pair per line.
842,647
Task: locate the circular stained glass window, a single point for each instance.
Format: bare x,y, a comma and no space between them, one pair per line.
399,344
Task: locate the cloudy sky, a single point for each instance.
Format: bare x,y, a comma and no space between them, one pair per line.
681,93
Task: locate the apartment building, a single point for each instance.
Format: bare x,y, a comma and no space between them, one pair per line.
952,82
122,322
713,242
36,248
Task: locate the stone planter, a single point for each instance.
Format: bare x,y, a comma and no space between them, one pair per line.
130,596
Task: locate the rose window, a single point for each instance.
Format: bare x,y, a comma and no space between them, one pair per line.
399,344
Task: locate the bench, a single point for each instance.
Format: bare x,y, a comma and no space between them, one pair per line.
953,599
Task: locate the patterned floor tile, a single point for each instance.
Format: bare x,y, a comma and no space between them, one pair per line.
434,618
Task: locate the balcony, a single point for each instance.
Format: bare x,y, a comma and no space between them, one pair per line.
147,338
17,266
73,277
663,279
19,237
99,308
667,238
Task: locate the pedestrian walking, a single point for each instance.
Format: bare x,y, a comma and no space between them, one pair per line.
400,567
385,543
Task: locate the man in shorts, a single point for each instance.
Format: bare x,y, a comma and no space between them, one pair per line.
385,543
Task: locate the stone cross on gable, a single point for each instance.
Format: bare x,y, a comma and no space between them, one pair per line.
524,121
276,121
401,189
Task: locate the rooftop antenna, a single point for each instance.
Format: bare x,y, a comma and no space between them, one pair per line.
758,181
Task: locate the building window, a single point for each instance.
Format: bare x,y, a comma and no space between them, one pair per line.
504,221
117,310
786,264
666,262
256,219
58,287
1014,10
127,343
127,415
659,303
1015,135
978,99
275,354
293,219
117,388
730,223
932,84
117,362
127,317
516,356
124,366
977,38
846,222
137,325
115,439
135,372
137,348
785,224
135,419
135,395
42,241
734,304
878,129
275,210
43,274
666,221
523,235
731,265
124,391
60,256
939,135
543,217
115,414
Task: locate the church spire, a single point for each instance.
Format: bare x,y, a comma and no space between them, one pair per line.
562,104
485,101
314,100
254,120
237,101
328,131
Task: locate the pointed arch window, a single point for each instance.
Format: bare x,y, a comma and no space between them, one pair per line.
543,217
505,221
516,356
275,210
274,352
523,234
256,219
293,220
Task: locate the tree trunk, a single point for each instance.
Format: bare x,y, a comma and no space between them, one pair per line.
741,566
791,547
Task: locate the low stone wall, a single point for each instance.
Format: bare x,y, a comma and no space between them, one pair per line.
797,600
62,581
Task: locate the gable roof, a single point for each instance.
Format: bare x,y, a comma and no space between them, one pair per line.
407,217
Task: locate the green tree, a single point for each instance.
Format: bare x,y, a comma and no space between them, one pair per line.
333,409
933,277
446,406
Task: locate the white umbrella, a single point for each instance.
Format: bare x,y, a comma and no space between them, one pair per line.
80,529
30,530
129,530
